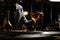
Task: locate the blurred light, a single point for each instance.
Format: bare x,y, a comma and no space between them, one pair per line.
58,19
20,0
54,0
25,13
34,19
51,32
